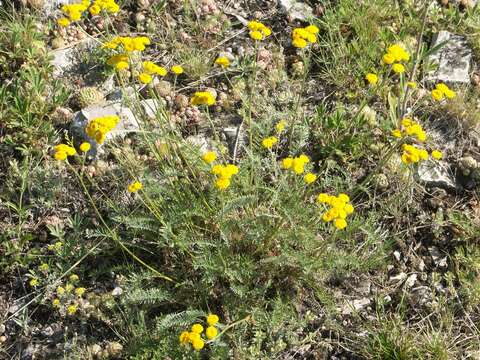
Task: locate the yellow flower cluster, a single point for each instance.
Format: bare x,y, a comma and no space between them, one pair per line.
280,126
63,150
340,208
269,142
442,90
129,44
224,173
412,154
98,128
73,12
68,296
109,6
202,98
410,128
85,146
134,187
297,164
371,78
222,61
301,37
149,69
209,157
258,31
396,54
194,337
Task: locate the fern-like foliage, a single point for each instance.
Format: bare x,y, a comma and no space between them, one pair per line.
182,319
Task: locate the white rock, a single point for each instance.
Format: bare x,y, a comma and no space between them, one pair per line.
452,60
355,305
411,281
436,173
400,277
437,257
117,291
296,10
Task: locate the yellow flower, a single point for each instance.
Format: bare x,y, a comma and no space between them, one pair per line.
304,159
348,209
436,154
121,65
298,168
197,328
209,157
371,78
312,29
323,198
145,78
135,186
60,290
327,216
56,302
396,133
398,68
217,169
343,197
192,336
198,344
85,146
309,178
95,9
269,142
437,94
256,35
412,84
298,42
202,98
184,337
73,278
222,183
212,319
80,291
177,69
211,332
340,223
388,59
64,22
60,155
43,267
287,163
399,53
280,126
222,61
69,288
406,122
449,94
33,282
72,309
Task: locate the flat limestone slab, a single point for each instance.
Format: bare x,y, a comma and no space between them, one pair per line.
453,60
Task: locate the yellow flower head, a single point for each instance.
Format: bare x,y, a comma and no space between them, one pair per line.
398,68
80,291
222,183
198,344
396,133
73,278
72,309
33,282
437,155
437,94
202,98
269,142
340,223
85,146
212,319
371,78
209,157
388,59
145,78
222,61
280,126
211,332
177,69
309,178
287,163
256,35
135,186
197,328
184,337
56,302
412,84
312,29
60,290
63,22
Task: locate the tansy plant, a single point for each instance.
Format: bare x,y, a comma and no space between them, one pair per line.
195,338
